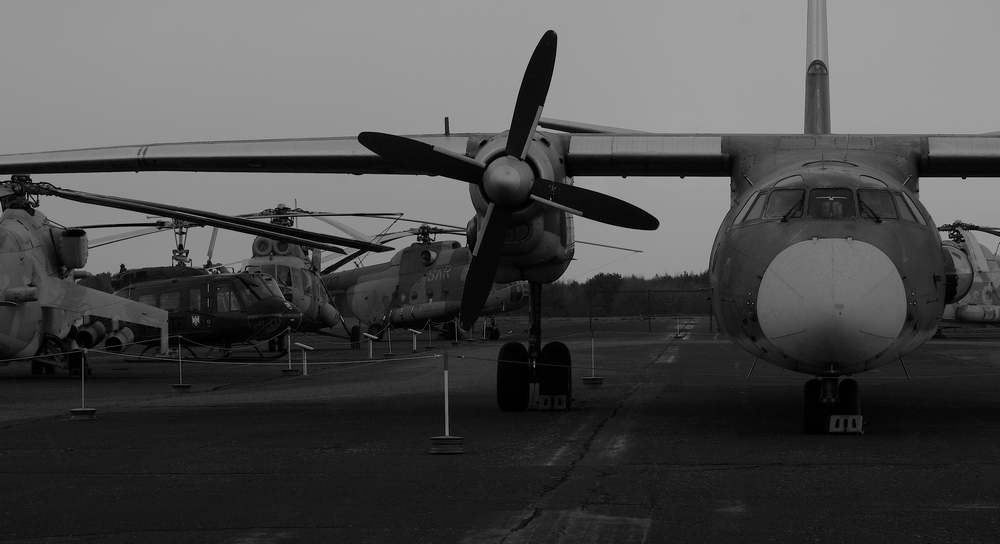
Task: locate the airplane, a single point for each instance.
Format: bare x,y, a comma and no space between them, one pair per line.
423,283
827,263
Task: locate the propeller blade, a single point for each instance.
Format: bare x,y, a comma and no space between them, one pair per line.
425,157
485,259
295,236
531,96
593,205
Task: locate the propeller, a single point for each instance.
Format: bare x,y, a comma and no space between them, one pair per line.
508,181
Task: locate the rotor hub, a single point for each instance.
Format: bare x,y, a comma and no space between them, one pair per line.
508,180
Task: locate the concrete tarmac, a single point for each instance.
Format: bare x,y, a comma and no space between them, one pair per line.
677,446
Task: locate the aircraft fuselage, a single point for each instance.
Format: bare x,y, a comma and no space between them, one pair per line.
828,267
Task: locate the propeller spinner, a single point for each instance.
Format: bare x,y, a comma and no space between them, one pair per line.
508,181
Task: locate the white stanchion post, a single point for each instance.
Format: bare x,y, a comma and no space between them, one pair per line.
446,443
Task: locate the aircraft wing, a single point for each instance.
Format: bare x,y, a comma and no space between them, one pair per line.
77,299
591,154
587,154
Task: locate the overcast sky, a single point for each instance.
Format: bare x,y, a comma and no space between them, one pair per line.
85,74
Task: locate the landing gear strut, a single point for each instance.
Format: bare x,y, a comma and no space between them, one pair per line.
519,367
829,406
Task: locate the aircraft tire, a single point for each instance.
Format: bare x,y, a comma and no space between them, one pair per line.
494,333
812,421
356,337
555,373
513,378
850,398
375,330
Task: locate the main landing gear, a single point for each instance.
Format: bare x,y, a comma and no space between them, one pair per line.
832,407
519,368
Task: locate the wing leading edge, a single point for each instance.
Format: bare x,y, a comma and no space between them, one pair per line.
592,154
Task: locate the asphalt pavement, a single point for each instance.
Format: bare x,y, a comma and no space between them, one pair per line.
678,445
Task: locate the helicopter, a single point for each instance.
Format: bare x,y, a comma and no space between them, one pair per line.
44,314
202,305
420,284
977,276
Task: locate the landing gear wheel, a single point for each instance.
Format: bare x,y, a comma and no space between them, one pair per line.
812,413
513,377
494,333
850,398
488,333
356,337
375,331
555,372
52,354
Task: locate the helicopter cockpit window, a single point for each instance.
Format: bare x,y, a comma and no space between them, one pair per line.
784,204
831,204
876,204
226,299
256,287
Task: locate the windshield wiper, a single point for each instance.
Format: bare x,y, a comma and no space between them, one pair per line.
789,213
865,206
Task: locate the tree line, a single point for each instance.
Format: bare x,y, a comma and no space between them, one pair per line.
614,295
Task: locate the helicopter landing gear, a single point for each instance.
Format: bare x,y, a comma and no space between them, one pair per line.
491,332
832,407
356,337
51,355
519,368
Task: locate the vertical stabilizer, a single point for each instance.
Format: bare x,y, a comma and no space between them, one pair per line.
817,71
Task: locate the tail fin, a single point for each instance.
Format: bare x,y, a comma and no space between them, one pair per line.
817,119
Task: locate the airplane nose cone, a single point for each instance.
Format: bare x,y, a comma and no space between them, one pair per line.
830,302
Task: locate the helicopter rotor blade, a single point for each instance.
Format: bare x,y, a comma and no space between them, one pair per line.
199,217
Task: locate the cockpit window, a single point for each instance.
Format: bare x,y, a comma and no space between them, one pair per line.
904,203
784,204
756,201
831,204
874,204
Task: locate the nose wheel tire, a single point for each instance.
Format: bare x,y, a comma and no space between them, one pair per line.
816,413
513,378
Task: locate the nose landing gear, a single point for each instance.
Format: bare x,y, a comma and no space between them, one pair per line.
832,407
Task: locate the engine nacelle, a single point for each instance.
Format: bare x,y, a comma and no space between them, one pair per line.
119,340
539,244
90,335
71,246
959,274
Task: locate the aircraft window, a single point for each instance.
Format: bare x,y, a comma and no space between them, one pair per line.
255,286
147,299
194,299
784,204
831,204
789,180
913,208
741,216
868,180
225,298
170,301
875,204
